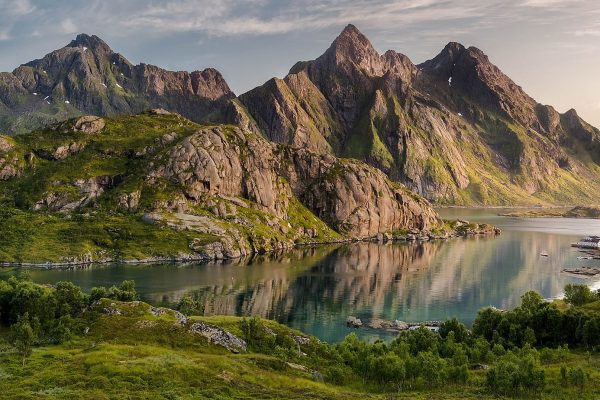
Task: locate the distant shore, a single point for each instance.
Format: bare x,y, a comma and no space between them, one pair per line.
587,212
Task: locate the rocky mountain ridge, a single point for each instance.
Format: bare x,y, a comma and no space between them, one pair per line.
455,129
87,77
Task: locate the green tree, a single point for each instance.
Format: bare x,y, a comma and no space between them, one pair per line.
431,368
531,301
579,295
23,336
461,334
486,322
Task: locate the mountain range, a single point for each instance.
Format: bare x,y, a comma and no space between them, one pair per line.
454,129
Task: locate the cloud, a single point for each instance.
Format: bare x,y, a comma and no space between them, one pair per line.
16,7
587,32
228,18
548,3
68,26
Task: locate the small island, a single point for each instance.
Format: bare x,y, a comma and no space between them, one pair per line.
576,212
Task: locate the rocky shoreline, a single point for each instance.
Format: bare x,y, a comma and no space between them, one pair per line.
461,229
390,326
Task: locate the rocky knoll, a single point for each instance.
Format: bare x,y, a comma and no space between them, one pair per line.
86,76
455,129
156,186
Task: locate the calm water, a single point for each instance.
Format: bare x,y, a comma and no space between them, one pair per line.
316,289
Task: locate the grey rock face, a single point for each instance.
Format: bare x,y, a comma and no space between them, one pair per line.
89,124
219,336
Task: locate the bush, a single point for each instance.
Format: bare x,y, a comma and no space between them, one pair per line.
515,375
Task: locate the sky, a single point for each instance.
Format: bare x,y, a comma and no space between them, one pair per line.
549,47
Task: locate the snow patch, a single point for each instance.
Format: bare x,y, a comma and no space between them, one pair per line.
34,93
120,86
84,48
48,102
67,102
46,98
104,84
450,81
460,115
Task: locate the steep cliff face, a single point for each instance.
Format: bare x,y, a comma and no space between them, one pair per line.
351,197
455,129
86,76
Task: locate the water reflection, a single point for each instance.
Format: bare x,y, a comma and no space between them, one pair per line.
315,289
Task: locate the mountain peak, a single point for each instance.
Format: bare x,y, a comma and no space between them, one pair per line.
352,40
91,41
351,47
350,30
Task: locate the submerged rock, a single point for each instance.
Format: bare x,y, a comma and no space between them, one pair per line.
353,322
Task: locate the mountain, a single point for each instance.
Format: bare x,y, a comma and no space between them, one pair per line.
454,129
156,186
87,77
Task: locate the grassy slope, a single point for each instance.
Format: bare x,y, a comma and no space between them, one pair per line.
139,356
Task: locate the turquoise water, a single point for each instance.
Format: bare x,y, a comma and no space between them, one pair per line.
315,289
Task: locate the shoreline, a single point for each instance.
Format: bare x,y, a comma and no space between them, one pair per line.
409,238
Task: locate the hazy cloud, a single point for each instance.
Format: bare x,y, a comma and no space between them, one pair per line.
68,26
16,7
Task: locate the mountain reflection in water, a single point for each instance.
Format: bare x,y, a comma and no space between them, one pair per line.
315,289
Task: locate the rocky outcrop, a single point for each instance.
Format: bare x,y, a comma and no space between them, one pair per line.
219,336
5,144
88,190
229,243
10,164
454,129
87,77
89,124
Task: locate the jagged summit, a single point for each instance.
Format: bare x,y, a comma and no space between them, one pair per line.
89,41
351,47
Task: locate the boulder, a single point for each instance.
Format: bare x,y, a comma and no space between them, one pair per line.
89,124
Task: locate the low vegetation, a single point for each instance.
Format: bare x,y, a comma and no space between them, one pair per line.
58,342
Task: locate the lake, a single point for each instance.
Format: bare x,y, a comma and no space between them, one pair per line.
315,289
